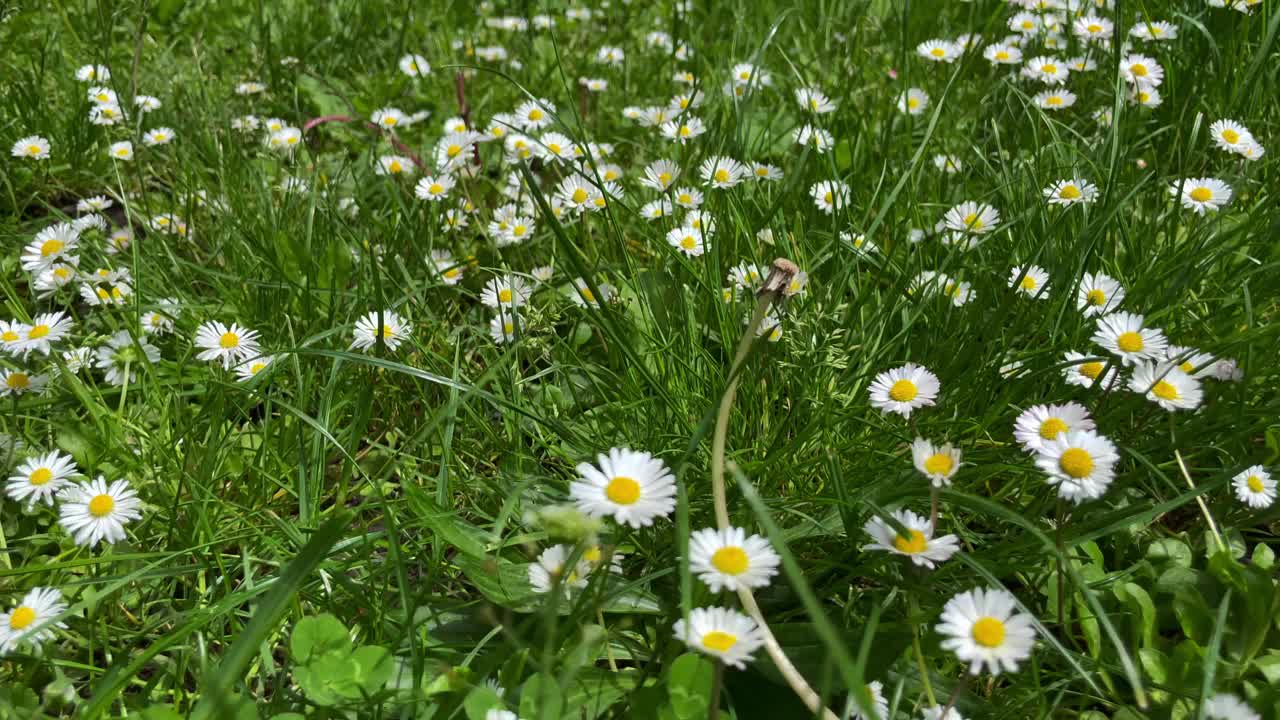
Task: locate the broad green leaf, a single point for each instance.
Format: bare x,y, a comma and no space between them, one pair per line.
540,698
318,635
372,668
689,681
480,701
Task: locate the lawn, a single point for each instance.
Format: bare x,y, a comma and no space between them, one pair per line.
663,360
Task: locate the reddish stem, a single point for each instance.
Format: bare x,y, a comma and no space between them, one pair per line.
395,142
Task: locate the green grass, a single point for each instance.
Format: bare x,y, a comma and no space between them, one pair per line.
395,490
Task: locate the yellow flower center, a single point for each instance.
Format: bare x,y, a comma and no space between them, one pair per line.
912,545
1094,28
519,230
664,179
1201,194
1096,297
49,247
1138,69
504,295
41,476
592,554
1231,136
20,618
623,490
762,171
18,381
600,201
937,52
827,197
101,505
719,641
256,368
508,327
1165,390
903,391
435,189
938,464
1051,427
730,560
554,148
913,103
973,222
1028,283
34,149
1076,462
395,166
453,150
535,114
103,294
722,175
813,103
1130,342
587,294
1255,483
988,632
1048,68
229,340
1069,192
9,336
389,120
1054,100
1028,25
688,242
388,332
1002,55
579,196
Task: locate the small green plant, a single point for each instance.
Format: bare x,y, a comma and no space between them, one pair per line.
330,669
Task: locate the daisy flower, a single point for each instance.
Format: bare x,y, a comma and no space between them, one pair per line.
1201,195
1254,487
584,297
450,270
729,559
1141,70
1124,335
919,544
1191,361
972,217
1093,28
1048,70
1002,54
387,118
820,140
1225,706
93,73
39,478
745,275
1081,463
722,172
44,330
727,635
387,325
20,382
534,114
394,165
765,172
984,628
146,103
913,101
1166,385
1146,96
120,353
660,174
1086,372
1154,30
158,136
876,690
122,150
577,193
1025,23
1031,280
502,327
549,570
814,101
632,487
904,389
949,164
415,66
33,620
938,463
51,245
686,240
1054,99
33,147
938,51
12,335
1071,192
828,195
285,139
1040,424
505,291
1098,294
97,511
687,197
226,344
434,188
250,369
1230,135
